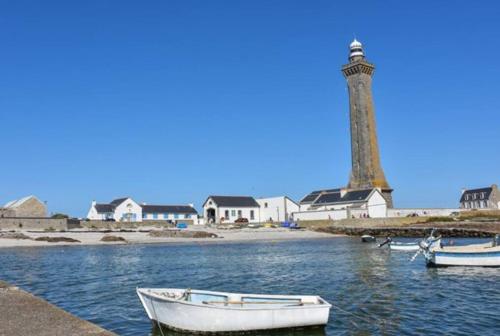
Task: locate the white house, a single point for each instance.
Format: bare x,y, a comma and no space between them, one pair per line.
277,209
168,212
342,203
127,210
121,210
228,209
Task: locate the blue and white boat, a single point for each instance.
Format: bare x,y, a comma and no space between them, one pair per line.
487,255
431,241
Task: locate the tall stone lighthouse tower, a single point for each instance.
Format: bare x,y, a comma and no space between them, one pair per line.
366,168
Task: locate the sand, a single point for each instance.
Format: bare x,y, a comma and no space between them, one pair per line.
136,237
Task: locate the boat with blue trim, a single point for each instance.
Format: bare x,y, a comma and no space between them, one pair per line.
486,255
429,242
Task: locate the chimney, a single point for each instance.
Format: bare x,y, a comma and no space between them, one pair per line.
94,202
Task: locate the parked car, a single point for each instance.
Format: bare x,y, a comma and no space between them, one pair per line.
109,220
241,220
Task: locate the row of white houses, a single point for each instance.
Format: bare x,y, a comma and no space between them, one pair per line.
127,210
217,209
326,204
318,205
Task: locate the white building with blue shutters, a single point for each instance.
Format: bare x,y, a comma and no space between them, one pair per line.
127,210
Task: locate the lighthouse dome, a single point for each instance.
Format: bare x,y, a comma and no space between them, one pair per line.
355,44
356,50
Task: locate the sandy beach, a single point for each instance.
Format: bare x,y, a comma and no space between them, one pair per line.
136,237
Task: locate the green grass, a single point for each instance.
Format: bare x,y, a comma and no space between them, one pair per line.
439,219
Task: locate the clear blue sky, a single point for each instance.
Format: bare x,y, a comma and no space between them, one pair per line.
170,101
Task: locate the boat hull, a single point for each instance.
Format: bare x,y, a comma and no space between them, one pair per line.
368,239
480,259
186,316
404,247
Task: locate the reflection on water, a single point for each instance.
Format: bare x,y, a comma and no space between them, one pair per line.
374,291
155,331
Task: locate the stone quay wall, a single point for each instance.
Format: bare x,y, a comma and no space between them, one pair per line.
24,314
38,223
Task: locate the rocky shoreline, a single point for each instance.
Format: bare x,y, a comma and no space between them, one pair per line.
455,230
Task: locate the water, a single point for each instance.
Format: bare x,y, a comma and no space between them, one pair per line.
377,292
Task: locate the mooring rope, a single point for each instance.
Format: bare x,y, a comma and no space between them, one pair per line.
156,316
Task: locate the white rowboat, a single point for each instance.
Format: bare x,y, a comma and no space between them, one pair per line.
368,239
470,255
396,246
429,242
214,312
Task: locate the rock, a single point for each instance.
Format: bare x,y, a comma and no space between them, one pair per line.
408,231
57,239
182,234
113,239
14,235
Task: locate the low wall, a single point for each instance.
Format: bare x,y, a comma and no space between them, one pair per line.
403,212
381,221
361,213
37,223
96,224
319,215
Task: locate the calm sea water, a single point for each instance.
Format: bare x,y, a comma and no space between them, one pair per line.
377,292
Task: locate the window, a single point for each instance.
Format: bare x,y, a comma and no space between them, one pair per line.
144,215
165,215
155,216
233,213
239,213
176,216
483,195
265,205
187,216
226,214
474,196
252,215
485,204
466,197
